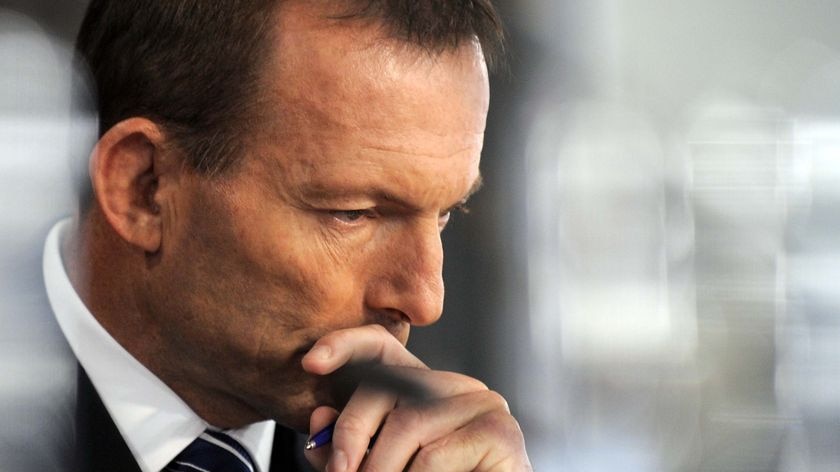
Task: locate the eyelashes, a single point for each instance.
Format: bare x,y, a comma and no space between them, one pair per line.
351,216
357,216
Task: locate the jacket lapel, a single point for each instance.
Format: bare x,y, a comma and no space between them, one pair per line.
287,452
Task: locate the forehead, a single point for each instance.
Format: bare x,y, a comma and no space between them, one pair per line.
345,74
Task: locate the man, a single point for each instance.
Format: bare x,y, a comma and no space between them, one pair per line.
269,188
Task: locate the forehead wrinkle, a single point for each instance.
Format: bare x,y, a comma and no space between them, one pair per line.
352,74
318,115
403,150
366,148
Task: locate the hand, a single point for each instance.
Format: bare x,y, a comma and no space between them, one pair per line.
464,426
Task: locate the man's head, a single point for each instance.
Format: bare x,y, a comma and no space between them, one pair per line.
193,66
237,221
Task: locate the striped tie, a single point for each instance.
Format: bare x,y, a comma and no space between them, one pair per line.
212,452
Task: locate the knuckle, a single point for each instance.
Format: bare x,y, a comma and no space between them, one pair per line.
432,457
497,401
464,383
404,420
513,463
478,385
382,339
350,424
379,330
372,467
504,427
498,419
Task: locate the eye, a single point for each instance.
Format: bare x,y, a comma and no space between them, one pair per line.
351,216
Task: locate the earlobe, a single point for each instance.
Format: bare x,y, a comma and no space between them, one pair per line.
124,170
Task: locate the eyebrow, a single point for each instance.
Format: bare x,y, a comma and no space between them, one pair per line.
475,187
381,194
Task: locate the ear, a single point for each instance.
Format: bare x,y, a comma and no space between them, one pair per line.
124,169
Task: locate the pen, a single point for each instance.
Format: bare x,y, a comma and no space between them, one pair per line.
321,438
324,437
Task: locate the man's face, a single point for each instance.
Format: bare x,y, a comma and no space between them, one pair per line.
332,221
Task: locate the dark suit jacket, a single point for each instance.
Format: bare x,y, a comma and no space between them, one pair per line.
101,448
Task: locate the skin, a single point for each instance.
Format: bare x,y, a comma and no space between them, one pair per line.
327,234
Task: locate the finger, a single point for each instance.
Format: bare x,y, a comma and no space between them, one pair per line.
491,443
321,418
358,423
369,406
362,344
376,376
409,429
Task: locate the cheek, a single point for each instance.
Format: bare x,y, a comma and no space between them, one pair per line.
300,277
268,279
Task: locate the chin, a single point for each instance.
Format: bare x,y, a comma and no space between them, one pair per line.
293,410
299,423
296,416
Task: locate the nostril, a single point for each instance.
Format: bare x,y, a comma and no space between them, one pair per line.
391,319
395,322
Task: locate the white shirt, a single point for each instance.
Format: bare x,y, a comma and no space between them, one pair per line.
154,422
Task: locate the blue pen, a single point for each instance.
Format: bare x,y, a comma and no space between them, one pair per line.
321,438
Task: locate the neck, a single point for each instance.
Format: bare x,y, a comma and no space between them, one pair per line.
109,276
101,268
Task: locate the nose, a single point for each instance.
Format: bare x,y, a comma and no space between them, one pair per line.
409,279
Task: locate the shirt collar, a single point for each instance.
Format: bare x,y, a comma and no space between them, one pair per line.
155,423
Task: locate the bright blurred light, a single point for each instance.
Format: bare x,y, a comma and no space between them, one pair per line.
38,135
683,195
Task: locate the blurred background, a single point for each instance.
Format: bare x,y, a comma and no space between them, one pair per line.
648,274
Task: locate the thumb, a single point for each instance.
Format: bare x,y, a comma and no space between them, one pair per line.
321,418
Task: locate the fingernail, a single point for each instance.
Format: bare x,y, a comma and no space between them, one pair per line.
320,352
338,462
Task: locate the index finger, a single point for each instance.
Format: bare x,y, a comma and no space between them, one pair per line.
353,345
